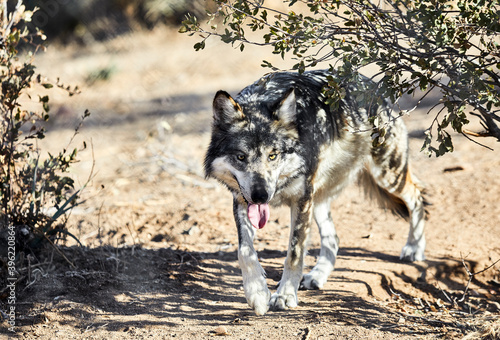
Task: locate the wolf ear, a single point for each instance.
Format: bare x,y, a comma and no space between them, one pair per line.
226,109
288,107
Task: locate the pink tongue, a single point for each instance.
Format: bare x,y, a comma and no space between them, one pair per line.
258,214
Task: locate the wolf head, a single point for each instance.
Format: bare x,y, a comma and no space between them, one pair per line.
252,147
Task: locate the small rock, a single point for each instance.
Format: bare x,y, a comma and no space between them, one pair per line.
192,231
221,330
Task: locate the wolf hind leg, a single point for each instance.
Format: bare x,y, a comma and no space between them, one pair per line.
415,245
318,276
389,178
412,196
407,202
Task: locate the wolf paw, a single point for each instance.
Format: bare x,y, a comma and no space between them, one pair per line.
412,252
259,301
311,281
282,302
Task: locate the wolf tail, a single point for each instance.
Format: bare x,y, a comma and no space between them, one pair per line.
386,199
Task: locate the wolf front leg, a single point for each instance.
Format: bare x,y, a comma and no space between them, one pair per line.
329,248
254,282
286,295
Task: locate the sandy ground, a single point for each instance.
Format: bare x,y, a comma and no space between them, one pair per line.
159,253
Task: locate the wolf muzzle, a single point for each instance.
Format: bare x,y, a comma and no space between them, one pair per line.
259,192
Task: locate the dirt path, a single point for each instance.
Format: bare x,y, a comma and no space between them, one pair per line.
160,245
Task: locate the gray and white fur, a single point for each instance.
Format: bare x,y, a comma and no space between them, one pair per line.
277,142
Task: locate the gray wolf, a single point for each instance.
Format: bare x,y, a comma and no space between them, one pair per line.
278,142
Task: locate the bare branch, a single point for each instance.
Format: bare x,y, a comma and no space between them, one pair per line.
472,275
13,15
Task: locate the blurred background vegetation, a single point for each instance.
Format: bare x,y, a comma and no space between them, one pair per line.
85,21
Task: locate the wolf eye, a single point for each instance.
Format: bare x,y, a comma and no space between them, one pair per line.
273,156
241,157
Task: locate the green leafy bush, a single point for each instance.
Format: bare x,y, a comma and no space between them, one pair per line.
89,20
29,183
449,47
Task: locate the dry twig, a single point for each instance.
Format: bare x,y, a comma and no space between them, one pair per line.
471,276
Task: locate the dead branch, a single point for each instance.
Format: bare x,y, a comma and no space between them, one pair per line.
477,134
472,275
58,250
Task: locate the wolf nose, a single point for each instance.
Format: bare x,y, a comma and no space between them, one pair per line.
260,195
